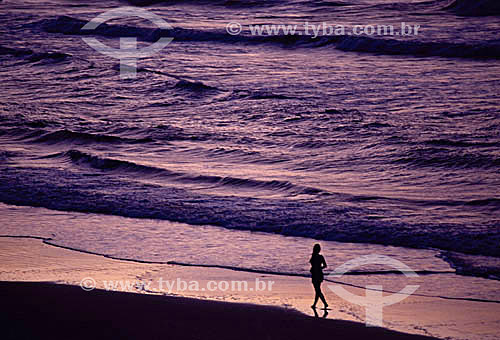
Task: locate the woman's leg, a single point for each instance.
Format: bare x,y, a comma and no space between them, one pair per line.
316,294
319,294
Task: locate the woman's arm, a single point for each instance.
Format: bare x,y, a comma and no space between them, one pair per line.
323,264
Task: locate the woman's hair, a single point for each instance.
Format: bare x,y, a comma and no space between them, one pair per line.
316,248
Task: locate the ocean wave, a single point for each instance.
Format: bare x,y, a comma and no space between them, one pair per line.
488,202
470,112
65,136
442,157
72,137
52,132
414,6
250,3
123,166
5,156
140,3
326,218
235,153
108,164
461,7
473,265
376,125
460,143
474,7
312,144
267,95
256,95
194,86
481,50
72,26
327,3
491,203
227,3
32,56
166,133
21,133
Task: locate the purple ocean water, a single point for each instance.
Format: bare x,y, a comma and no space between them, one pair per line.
362,142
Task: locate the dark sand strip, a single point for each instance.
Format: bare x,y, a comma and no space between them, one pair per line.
49,311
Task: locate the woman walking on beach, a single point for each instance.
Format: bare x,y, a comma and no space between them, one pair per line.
318,263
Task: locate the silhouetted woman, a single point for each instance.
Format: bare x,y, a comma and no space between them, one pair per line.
318,263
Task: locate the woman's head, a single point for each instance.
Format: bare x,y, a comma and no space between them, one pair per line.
316,248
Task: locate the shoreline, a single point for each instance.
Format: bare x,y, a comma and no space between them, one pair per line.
32,260
47,242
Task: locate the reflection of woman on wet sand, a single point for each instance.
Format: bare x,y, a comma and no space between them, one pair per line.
318,263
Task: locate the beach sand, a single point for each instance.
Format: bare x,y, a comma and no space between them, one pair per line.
56,306
49,311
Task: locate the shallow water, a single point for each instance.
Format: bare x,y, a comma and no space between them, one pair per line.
156,241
